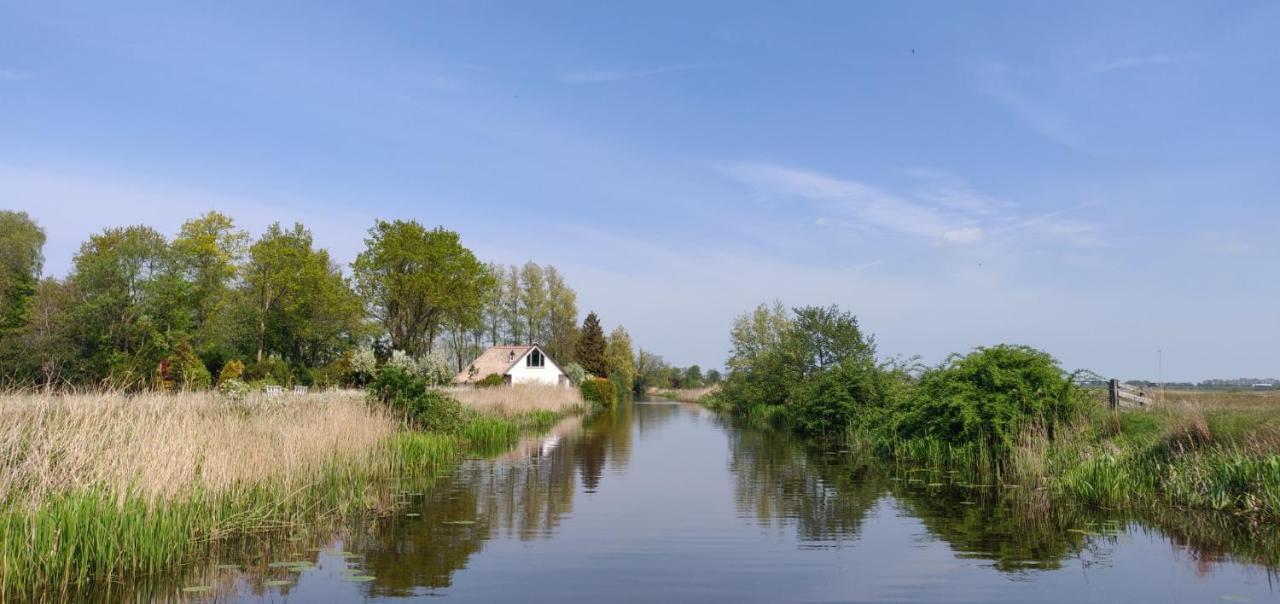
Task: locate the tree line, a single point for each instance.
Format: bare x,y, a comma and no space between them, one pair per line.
139,309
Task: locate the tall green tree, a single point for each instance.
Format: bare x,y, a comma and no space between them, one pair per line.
413,279
590,348
21,259
620,359
209,251
562,317
533,302
130,303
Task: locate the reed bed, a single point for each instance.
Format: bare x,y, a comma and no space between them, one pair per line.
105,486
159,448
684,395
520,398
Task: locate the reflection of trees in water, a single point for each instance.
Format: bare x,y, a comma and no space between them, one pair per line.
828,497
524,499
775,481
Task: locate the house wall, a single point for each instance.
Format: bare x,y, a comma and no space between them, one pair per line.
549,374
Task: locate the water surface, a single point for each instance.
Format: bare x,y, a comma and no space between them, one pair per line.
665,502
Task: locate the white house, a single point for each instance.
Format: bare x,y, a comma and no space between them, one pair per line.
516,364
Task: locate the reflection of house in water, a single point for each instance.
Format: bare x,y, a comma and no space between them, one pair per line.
522,494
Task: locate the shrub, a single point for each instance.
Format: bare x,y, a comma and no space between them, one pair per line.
576,373
988,397
234,389
231,371
362,366
599,391
491,380
435,368
402,361
270,369
407,394
188,371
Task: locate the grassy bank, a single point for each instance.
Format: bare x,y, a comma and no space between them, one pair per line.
100,487
1215,451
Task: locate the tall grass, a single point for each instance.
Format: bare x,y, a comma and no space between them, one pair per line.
519,398
104,486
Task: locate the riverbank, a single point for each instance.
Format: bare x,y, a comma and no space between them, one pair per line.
102,486
683,395
1195,450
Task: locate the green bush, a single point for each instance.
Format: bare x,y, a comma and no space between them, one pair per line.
408,395
270,368
231,371
187,370
491,380
599,391
986,399
575,373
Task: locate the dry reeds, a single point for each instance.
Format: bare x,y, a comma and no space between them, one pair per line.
160,447
517,399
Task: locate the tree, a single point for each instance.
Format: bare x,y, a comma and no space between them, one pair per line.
756,333
512,305
301,306
693,377
619,359
413,279
209,250
494,303
562,317
651,370
713,376
129,302
533,302
21,259
590,348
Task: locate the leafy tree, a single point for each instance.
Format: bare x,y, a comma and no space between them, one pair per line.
756,334
413,279
209,250
562,317
301,306
533,302
129,301
21,258
693,377
620,359
713,376
590,348
651,371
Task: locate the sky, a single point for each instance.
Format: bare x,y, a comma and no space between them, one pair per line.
1098,180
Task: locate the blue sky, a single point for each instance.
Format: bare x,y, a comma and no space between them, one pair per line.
1097,180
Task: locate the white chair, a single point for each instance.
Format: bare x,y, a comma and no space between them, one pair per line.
273,390
300,390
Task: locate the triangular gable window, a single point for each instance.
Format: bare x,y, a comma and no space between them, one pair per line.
535,359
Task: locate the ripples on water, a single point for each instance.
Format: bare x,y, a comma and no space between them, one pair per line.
666,502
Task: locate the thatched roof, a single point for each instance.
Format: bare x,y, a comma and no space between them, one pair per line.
498,359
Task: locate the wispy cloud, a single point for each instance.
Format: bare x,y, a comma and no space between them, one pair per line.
943,209
1133,62
13,75
995,80
601,76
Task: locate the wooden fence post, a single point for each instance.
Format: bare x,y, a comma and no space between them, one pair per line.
1114,388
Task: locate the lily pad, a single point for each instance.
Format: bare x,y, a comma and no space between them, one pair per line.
276,583
360,578
195,589
412,515
460,522
228,567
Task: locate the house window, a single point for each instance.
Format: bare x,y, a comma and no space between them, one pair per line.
535,359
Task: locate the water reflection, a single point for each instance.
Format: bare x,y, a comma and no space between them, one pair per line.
666,501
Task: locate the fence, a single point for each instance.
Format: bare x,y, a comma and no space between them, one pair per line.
1124,395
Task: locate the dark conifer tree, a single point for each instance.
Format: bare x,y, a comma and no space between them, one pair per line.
591,345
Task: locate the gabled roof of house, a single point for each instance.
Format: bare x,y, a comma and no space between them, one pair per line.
497,359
